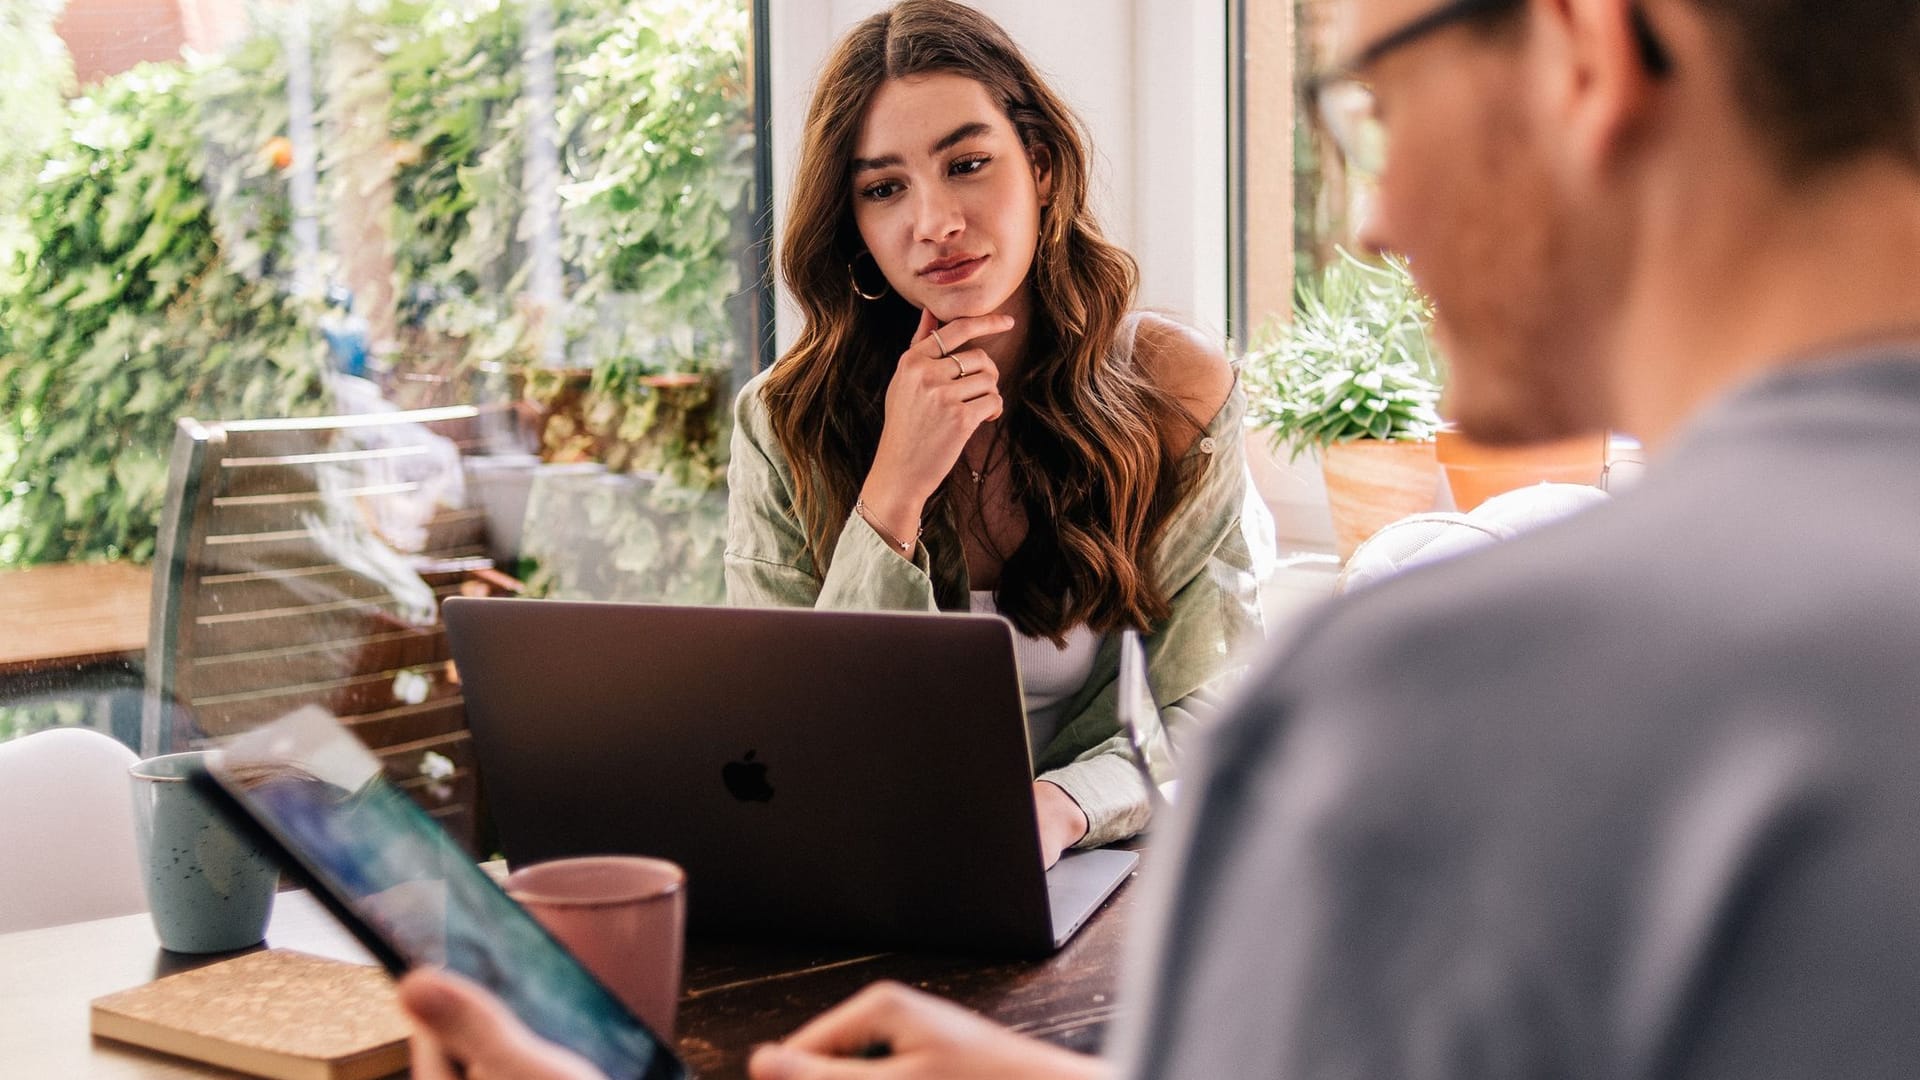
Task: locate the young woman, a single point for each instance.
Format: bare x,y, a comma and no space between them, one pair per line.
973,418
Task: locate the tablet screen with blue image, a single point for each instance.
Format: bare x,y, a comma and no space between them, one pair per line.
408,891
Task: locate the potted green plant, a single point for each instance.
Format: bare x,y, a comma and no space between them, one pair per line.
1354,377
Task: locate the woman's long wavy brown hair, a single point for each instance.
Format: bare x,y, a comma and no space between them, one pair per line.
1087,430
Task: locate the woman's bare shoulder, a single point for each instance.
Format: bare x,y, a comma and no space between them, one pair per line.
1184,362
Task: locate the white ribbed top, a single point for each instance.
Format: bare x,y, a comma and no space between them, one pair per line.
1048,675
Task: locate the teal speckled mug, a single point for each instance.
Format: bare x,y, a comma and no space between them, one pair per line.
210,890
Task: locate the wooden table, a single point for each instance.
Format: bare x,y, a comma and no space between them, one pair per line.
737,995
67,615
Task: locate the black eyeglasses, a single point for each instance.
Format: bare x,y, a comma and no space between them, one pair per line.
1342,102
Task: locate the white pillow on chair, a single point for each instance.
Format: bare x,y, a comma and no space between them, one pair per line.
1424,538
66,830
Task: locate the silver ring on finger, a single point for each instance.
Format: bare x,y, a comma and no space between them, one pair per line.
959,368
941,345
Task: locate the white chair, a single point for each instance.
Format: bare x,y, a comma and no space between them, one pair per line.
66,830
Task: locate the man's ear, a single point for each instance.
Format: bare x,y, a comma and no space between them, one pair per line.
1596,53
1041,158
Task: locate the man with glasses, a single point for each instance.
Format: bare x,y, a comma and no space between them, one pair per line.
1636,795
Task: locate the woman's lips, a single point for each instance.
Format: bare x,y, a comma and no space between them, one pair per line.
952,273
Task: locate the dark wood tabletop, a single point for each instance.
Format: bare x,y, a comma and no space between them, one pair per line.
67,614
737,995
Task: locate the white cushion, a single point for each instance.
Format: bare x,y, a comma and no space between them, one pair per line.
1425,538
66,830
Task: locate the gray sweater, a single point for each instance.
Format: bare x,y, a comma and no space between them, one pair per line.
1637,795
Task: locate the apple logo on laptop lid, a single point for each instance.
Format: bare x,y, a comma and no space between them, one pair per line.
746,779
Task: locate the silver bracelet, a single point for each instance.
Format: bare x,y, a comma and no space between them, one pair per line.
860,507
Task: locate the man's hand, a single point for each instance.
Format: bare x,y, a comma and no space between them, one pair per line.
1062,822
459,1025
924,1037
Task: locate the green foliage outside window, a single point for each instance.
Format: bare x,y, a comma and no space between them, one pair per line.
653,117
34,74
150,268
136,302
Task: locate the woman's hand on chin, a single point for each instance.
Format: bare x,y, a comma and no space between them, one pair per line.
941,391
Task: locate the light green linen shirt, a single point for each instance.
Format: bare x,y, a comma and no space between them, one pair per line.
1204,563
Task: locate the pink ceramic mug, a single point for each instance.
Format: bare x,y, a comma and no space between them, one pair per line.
623,916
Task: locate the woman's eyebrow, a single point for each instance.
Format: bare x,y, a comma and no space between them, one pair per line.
958,135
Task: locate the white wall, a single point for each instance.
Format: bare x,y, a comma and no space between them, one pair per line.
1147,76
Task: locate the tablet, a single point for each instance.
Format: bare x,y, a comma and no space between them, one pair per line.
315,797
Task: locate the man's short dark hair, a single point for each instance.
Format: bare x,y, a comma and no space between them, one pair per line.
1827,81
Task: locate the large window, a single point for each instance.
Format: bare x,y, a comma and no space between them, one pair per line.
546,215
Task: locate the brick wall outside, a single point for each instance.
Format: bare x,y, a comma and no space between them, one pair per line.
107,37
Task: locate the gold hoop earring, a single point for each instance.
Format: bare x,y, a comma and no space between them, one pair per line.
853,276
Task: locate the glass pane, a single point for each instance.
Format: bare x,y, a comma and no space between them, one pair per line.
456,291
1328,198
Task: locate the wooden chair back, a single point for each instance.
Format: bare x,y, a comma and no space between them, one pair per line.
277,583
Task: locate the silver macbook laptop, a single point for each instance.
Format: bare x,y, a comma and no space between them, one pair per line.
852,776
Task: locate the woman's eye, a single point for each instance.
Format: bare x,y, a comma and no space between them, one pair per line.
969,166
885,189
